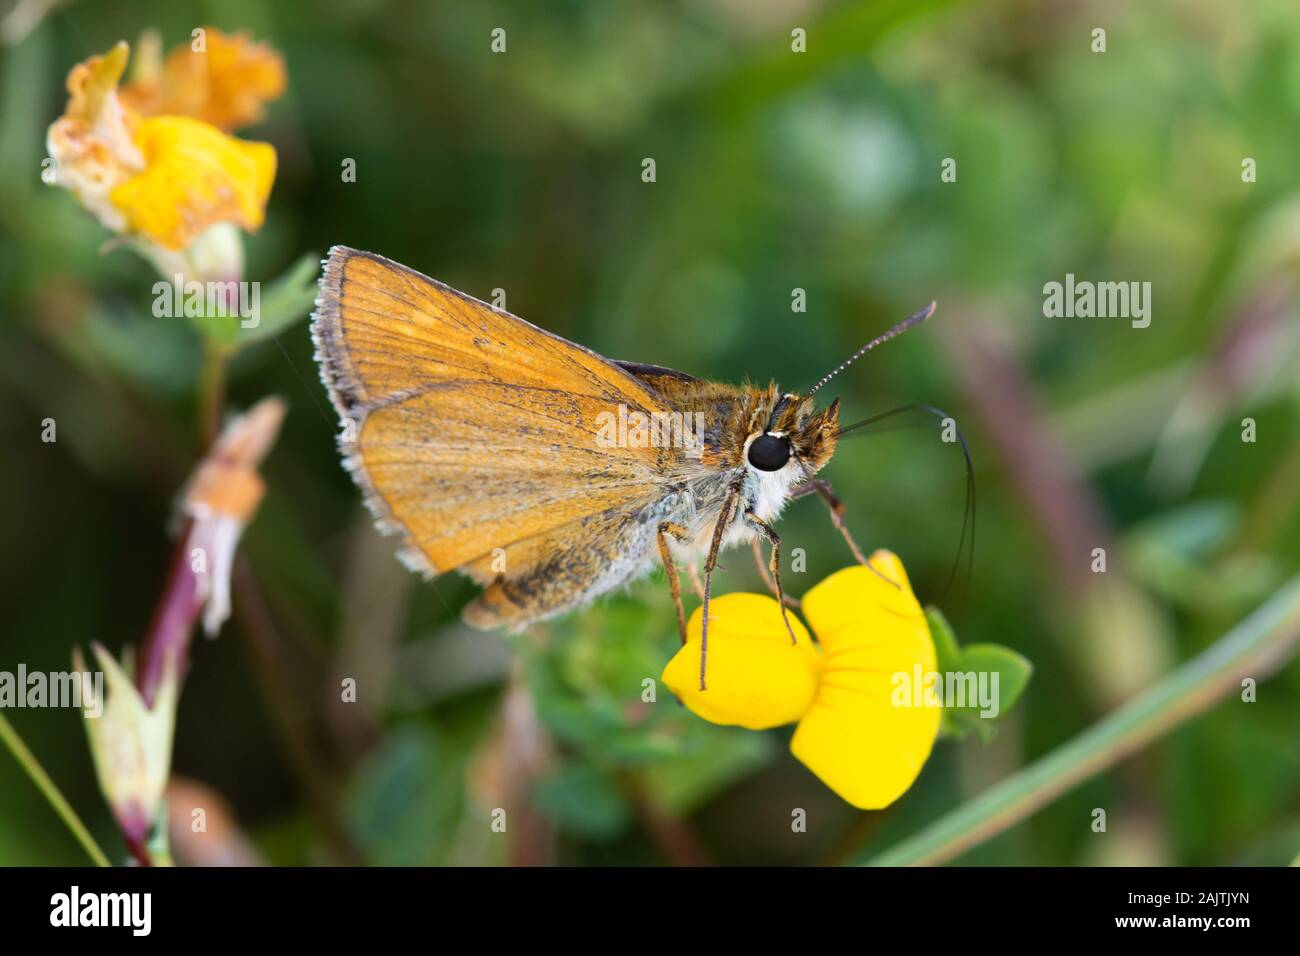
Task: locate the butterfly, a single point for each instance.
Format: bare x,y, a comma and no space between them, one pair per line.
546,473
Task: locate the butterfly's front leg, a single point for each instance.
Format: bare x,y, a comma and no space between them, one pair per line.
670,567
724,520
818,486
766,575
822,488
697,583
774,564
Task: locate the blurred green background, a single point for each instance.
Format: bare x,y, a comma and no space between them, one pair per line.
775,170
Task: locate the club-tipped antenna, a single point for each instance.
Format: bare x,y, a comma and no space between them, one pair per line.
916,318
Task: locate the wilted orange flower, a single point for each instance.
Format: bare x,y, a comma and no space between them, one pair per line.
167,179
226,84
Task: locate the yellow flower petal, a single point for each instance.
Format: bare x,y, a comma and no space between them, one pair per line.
854,737
92,82
194,176
226,85
756,677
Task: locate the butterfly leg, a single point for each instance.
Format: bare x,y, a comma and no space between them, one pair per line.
670,567
694,574
822,489
774,564
724,520
766,575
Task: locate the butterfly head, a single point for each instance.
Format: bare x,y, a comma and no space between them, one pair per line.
795,430
789,428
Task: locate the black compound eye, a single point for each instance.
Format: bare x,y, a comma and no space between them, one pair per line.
769,452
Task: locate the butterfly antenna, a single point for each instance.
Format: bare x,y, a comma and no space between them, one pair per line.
916,318
966,543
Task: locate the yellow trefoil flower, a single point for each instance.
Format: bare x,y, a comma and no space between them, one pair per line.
854,730
165,180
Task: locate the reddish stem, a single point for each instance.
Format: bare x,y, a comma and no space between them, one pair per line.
173,621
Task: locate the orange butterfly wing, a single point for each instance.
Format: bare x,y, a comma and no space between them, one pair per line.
477,435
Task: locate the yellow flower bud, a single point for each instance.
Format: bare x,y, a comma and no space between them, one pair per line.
131,744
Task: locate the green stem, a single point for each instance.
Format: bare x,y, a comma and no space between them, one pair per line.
51,792
212,390
1254,648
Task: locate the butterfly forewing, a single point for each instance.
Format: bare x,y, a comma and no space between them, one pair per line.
477,435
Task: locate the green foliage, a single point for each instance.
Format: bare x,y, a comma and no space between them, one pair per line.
406,800
1007,674
583,801
286,300
597,691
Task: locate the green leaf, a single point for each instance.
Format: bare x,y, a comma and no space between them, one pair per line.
961,723
712,759
584,801
281,304
1012,669
946,650
637,746
572,718
406,799
1000,672
287,300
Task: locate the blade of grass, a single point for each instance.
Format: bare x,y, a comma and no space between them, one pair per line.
43,783
1254,648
